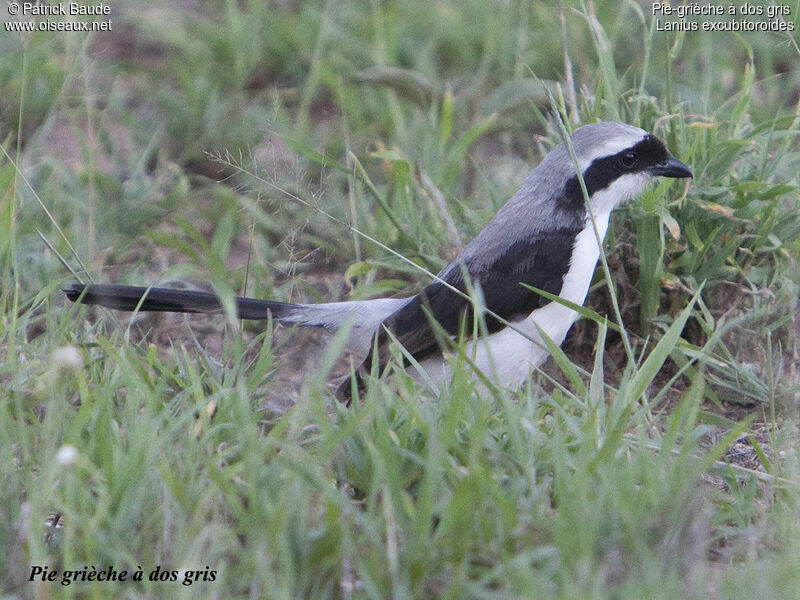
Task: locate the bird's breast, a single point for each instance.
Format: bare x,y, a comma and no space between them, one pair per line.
509,355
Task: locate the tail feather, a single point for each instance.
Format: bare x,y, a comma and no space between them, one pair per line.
127,297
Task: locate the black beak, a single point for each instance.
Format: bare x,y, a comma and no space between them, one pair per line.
671,167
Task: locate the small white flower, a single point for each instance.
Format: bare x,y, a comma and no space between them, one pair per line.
67,358
67,455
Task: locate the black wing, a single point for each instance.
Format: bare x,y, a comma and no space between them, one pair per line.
541,262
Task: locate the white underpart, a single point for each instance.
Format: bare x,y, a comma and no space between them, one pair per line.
508,356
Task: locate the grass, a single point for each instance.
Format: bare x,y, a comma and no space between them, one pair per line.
244,146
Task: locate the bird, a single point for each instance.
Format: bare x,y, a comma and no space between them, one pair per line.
545,236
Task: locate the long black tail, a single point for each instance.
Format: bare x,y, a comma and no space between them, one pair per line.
128,297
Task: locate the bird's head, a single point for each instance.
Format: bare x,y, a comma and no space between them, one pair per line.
617,161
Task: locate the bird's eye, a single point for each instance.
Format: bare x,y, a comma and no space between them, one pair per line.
629,159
